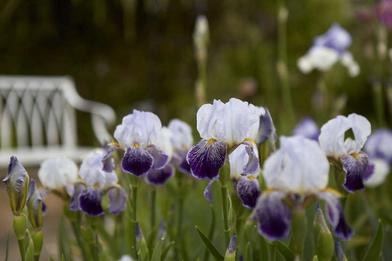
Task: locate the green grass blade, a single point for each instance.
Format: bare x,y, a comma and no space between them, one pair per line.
284,250
375,249
209,245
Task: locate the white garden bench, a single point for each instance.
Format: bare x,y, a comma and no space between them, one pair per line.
38,119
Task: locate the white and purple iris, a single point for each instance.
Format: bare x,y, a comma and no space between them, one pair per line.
244,171
142,136
222,127
182,141
379,150
99,180
342,139
294,174
329,49
307,128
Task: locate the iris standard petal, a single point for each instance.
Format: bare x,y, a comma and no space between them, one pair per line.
335,215
206,158
117,200
244,160
248,190
74,204
90,202
273,216
160,176
137,161
307,128
355,167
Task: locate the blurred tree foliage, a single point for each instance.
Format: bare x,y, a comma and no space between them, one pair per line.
139,53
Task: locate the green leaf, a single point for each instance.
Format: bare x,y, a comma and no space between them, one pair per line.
209,245
284,250
374,251
157,253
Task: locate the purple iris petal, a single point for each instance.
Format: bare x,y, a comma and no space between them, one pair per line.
273,216
253,163
179,160
378,145
160,176
355,168
267,128
117,200
206,158
307,128
369,171
107,159
207,193
137,161
336,38
160,158
90,202
335,215
248,190
74,204
184,167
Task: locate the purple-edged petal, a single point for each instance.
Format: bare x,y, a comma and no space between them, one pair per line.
74,204
206,158
160,176
107,159
248,190
369,171
335,215
117,200
273,216
90,202
267,127
355,167
253,164
160,158
207,193
137,161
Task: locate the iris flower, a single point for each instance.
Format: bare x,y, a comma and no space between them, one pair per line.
307,128
329,49
223,127
98,181
296,174
345,150
142,136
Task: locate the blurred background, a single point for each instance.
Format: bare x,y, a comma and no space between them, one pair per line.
139,54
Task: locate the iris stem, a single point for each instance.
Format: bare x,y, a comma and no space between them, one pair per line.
134,187
282,69
153,208
379,102
76,224
298,231
20,226
180,214
222,179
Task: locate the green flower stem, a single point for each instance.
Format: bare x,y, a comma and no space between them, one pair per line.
20,226
282,60
134,190
75,220
379,102
298,231
153,208
180,214
224,195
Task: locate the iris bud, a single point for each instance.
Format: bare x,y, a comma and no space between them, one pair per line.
324,243
35,206
17,181
231,249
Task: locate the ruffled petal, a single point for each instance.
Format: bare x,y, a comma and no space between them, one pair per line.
273,216
248,190
90,202
355,167
335,215
160,176
117,200
137,161
267,128
206,158
244,160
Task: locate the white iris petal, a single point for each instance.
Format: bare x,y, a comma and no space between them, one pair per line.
299,166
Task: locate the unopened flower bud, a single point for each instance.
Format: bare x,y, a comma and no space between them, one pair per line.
17,181
36,206
324,243
201,37
231,249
